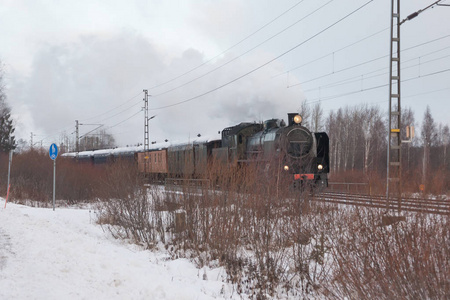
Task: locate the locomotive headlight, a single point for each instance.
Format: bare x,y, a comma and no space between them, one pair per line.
298,119
286,168
320,167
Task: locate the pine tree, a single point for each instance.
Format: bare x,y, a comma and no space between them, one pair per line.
7,139
429,138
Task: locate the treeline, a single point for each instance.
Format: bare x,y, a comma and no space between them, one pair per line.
358,146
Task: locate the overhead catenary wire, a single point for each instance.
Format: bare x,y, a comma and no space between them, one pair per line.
315,100
357,78
331,53
384,101
365,62
228,49
113,109
266,63
241,55
123,121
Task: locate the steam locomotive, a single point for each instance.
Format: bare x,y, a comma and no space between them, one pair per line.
300,154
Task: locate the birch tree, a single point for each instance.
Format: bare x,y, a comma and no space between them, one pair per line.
428,134
316,118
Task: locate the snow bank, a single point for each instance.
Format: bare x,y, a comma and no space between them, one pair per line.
63,254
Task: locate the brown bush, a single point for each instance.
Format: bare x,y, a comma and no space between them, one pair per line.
407,260
274,240
32,178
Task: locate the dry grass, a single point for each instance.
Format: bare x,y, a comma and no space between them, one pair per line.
32,178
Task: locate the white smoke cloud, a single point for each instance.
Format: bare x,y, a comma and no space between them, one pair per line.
85,80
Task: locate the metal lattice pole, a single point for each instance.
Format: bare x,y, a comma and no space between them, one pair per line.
393,184
146,133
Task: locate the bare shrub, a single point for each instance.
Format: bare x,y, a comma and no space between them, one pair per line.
129,218
258,227
407,260
274,240
32,178
117,180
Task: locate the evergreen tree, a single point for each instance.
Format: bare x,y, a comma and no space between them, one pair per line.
7,139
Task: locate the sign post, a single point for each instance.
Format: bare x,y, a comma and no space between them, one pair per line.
9,176
53,153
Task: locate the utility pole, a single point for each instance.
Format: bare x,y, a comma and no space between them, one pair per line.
394,174
31,140
146,133
77,144
394,137
77,138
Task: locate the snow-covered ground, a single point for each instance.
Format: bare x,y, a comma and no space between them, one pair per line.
64,254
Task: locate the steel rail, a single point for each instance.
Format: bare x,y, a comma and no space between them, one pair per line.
432,206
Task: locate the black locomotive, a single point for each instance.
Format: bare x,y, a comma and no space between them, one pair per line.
300,153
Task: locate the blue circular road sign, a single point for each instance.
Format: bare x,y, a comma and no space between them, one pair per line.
53,151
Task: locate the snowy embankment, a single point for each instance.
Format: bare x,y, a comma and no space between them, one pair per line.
64,254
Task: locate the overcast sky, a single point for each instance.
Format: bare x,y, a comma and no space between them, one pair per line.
209,64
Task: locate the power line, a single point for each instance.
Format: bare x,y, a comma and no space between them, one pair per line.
122,111
266,63
365,62
371,88
124,120
362,76
84,120
335,51
228,49
241,55
352,44
112,109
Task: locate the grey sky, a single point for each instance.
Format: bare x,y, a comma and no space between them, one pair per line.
90,61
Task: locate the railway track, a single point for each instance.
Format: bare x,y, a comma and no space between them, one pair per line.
420,205
431,206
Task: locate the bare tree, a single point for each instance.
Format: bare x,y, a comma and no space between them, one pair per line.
407,120
317,115
330,128
445,143
305,112
429,136
99,140
370,120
